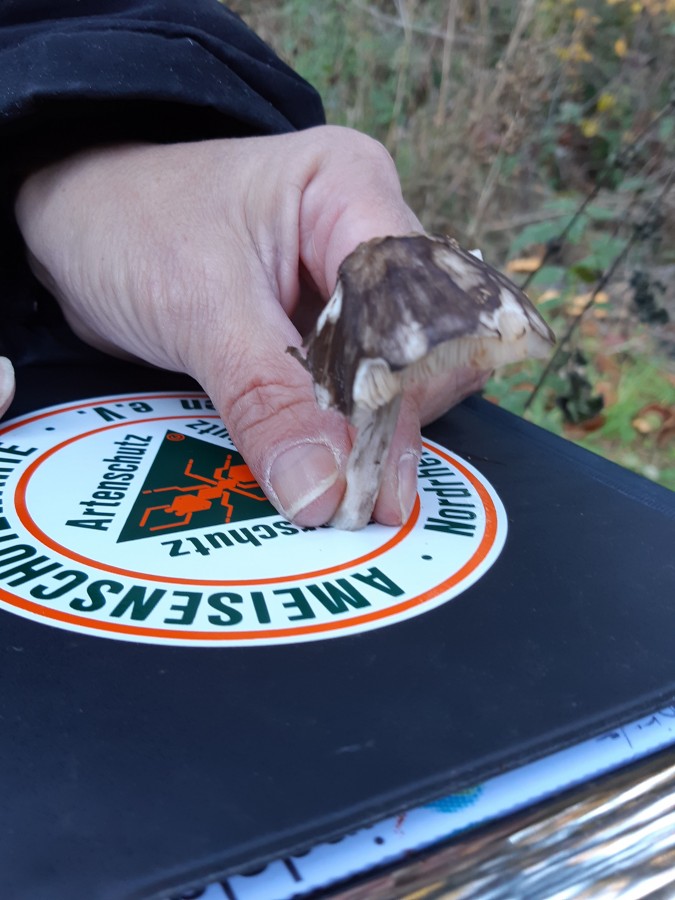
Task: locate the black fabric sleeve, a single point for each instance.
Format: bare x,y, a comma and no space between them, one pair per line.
78,72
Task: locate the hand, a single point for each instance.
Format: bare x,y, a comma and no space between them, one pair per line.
200,258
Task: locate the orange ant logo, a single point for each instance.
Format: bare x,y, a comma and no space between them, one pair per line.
195,498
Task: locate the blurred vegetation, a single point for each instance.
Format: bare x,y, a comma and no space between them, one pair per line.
542,131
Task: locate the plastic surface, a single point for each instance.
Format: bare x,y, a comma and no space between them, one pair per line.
130,770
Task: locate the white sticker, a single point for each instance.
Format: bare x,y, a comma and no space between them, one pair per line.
134,517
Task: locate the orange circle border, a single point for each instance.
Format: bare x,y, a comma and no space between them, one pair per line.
169,636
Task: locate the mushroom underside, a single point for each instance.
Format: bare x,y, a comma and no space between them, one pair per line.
377,395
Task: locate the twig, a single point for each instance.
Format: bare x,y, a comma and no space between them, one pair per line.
415,27
406,15
490,181
525,15
553,246
448,43
520,221
603,281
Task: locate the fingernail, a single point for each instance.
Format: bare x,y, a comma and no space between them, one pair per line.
301,474
407,484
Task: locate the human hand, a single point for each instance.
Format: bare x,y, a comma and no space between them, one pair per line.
200,258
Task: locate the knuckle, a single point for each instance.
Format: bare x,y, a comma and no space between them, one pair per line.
265,410
379,156
363,149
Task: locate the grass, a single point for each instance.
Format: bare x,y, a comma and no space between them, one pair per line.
636,425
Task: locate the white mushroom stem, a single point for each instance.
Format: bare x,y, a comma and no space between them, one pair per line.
365,468
377,394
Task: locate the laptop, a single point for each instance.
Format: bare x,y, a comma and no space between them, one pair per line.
192,687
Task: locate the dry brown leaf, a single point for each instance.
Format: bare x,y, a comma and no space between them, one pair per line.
549,294
576,305
607,364
644,425
608,391
581,429
656,419
523,265
589,327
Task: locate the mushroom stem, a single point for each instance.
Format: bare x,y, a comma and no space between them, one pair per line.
365,468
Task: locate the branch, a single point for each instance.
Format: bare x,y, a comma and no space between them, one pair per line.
604,280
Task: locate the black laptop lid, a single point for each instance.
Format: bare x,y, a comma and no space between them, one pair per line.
131,768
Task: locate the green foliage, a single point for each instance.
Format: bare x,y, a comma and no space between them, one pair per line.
603,250
503,119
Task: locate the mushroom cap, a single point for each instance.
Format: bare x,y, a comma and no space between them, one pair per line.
406,308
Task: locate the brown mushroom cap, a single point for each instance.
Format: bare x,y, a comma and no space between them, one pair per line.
404,309
398,302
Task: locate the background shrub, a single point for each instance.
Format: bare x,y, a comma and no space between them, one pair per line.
542,131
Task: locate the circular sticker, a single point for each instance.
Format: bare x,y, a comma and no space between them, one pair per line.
134,517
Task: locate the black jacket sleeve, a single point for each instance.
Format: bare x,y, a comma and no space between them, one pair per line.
78,72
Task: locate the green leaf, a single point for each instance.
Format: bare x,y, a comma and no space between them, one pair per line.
548,275
604,250
563,204
571,112
667,126
550,230
600,214
632,183
539,233
585,272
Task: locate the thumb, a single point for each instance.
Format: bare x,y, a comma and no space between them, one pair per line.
354,195
296,452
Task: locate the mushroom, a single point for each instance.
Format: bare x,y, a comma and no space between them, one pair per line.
405,309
